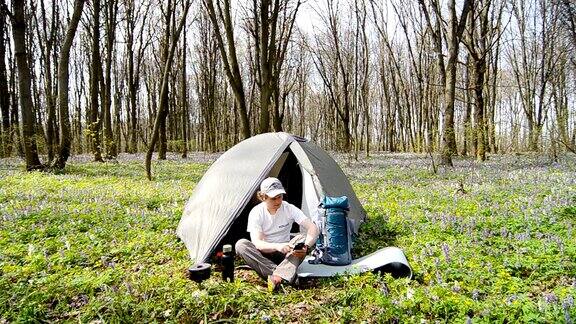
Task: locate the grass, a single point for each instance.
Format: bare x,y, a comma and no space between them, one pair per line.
98,243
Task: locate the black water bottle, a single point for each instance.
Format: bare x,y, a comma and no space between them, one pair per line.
227,263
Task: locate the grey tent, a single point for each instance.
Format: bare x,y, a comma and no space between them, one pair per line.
217,211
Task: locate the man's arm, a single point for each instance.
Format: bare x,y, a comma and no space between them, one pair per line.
311,232
311,236
258,239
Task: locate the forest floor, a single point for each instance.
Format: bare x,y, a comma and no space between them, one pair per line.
487,242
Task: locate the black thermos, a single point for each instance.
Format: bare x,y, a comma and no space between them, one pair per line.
227,263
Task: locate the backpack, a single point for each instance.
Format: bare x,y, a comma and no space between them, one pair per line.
335,241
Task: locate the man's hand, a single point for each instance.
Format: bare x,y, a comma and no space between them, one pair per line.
283,248
301,254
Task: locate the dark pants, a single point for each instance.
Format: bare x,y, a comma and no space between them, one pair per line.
266,264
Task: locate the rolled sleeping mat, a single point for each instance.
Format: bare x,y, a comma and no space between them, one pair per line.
395,263
199,272
386,260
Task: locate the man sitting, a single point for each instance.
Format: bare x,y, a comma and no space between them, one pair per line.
271,252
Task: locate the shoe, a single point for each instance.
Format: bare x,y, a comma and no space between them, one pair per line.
296,282
273,283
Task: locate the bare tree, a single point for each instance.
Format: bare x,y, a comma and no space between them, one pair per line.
533,60
206,72
63,85
136,46
28,121
480,40
184,96
95,122
567,10
47,39
271,28
110,21
163,103
5,127
168,14
221,14
333,61
453,34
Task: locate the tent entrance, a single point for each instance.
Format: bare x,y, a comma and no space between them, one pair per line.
287,170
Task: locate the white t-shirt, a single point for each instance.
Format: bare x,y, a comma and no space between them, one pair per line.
276,227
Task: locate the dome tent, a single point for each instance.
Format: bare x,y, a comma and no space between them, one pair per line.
217,211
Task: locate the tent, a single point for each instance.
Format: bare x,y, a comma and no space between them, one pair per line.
217,212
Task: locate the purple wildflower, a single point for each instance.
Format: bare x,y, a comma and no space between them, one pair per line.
443,220
446,251
475,294
456,288
511,299
438,277
567,318
504,232
568,302
550,298
266,318
384,290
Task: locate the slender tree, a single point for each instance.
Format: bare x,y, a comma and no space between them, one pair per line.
271,28
5,127
222,13
111,12
95,122
63,85
47,39
28,120
454,30
164,99
164,103
184,97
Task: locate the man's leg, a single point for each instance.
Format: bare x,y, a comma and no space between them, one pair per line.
288,267
254,258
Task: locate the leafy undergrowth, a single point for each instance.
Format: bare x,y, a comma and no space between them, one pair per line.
486,242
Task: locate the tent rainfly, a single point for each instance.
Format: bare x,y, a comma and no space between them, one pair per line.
217,212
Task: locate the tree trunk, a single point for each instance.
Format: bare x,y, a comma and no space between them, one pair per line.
163,103
479,116
110,146
229,58
14,110
46,38
117,120
184,98
63,81
265,68
164,95
95,121
534,132
455,31
132,82
467,138
5,127
28,122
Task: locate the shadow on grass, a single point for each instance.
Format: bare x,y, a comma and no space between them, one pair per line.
375,233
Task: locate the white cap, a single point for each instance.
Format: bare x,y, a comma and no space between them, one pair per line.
272,187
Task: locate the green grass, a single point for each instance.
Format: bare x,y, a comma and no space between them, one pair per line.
98,242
